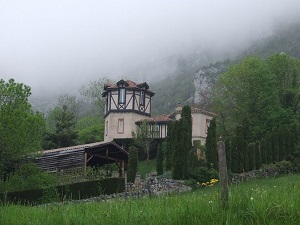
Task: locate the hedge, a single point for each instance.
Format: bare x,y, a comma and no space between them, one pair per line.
61,193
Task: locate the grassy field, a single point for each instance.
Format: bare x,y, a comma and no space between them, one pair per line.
269,201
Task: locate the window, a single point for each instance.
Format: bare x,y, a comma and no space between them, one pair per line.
156,131
142,98
120,126
122,95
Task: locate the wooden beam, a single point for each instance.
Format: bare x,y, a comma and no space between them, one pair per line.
89,158
106,157
85,162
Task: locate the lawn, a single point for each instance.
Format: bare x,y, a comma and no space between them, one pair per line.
268,201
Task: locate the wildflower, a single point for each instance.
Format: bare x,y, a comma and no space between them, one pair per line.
251,198
210,201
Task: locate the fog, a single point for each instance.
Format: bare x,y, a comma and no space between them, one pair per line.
55,45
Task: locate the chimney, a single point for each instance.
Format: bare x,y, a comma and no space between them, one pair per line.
178,107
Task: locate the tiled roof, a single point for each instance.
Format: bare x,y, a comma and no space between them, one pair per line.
130,83
156,119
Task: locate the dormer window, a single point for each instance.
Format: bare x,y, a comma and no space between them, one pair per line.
142,98
122,94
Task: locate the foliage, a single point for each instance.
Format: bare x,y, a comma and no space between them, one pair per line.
159,160
181,137
211,146
27,176
248,90
143,138
93,92
132,164
21,129
65,134
202,175
90,129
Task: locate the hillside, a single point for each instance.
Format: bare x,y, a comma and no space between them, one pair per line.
188,79
192,82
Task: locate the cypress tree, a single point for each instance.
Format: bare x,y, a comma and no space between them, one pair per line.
258,158
211,146
281,144
263,151
228,153
159,160
186,133
240,149
275,147
234,158
132,164
178,156
251,155
246,159
169,146
269,148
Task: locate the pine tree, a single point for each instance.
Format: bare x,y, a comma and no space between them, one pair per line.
159,160
132,164
211,146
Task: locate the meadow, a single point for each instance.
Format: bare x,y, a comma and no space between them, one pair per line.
266,201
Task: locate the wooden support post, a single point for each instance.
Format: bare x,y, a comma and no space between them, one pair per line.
223,174
123,168
85,162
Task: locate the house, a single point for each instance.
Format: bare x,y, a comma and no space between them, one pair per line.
128,104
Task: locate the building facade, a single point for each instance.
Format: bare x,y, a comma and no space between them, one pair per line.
128,105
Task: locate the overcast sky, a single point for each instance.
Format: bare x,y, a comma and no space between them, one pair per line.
52,44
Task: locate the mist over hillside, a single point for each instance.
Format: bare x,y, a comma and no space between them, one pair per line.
192,81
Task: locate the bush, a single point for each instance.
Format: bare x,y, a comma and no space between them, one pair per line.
28,176
132,164
74,191
202,175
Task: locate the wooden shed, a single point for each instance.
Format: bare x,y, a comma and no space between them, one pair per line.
94,154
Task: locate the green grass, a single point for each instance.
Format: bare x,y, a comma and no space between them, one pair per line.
269,201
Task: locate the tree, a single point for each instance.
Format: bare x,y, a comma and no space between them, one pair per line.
73,104
21,129
143,138
132,164
211,146
64,134
251,156
248,90
90,129
159,160
182,139
286,70
94,94
168,146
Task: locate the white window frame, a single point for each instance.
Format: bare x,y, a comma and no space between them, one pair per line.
120,128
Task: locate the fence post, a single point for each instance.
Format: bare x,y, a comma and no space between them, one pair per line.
223,174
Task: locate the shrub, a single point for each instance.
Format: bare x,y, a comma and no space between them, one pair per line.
202,175
159,161
132,164
28,176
